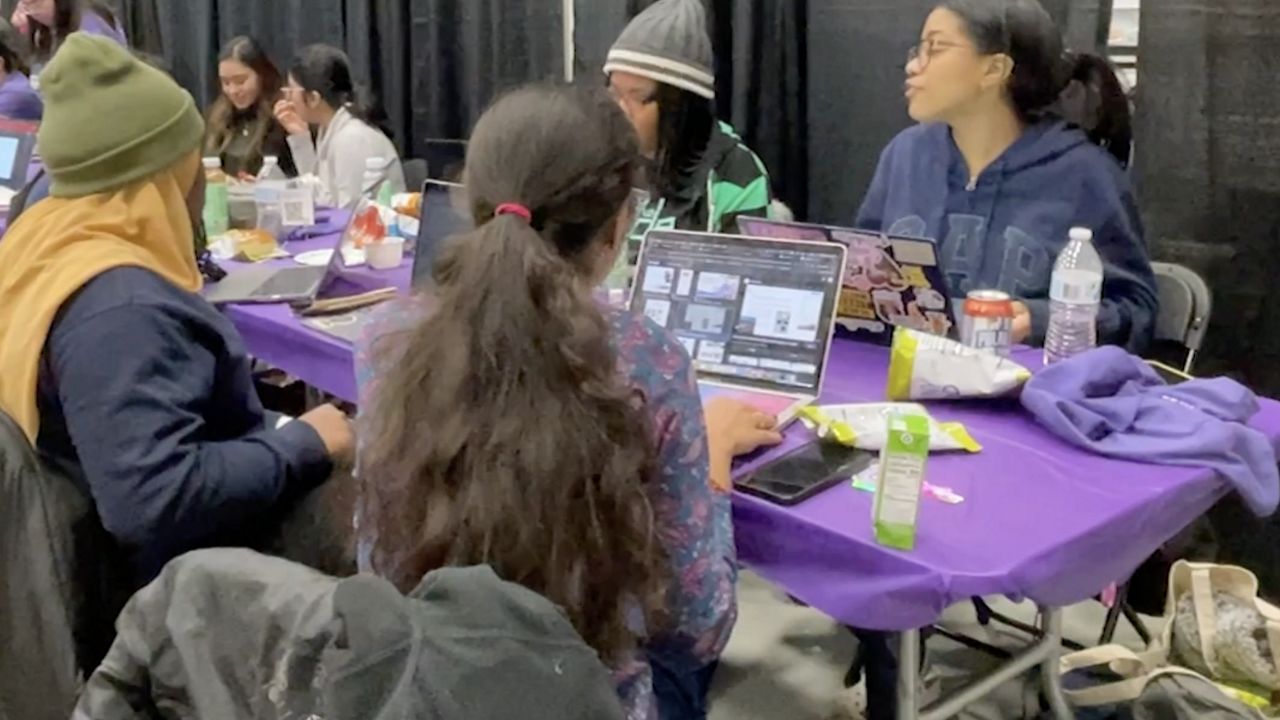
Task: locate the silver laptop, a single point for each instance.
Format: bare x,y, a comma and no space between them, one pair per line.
444,215
295,285
756,315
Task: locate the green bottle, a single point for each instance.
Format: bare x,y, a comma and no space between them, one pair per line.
217,218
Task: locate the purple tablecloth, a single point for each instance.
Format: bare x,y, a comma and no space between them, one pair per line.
1041,520
276,336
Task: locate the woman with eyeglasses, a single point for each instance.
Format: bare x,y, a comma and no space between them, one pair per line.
702,176
321,92
1017,144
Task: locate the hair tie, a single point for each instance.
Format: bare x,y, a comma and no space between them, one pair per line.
514,209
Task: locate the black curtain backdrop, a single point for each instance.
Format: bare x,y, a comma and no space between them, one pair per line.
762,86
1207,87
434,64
814,85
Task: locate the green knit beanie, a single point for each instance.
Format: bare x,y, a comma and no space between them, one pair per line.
110,119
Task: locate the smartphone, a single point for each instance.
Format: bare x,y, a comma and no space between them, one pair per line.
805,472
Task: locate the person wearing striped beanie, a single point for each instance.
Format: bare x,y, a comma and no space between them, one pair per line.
702,176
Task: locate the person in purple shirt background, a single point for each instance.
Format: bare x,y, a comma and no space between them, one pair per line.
18,100
47,23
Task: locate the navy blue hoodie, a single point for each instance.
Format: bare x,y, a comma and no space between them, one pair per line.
1007,230
147,401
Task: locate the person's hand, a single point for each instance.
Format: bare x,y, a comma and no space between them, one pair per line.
1021,324
737,428
289,119
334,429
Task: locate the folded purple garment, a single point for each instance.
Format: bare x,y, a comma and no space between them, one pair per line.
1112,403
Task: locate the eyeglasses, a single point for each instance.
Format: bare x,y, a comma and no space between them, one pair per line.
924,53
634,98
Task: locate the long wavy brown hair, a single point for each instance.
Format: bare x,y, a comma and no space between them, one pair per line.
500,432
249,52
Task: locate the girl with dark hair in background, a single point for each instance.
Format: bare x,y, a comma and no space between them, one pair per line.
1018,143
47,23
322,92
510,419
701,175
241,127
18,100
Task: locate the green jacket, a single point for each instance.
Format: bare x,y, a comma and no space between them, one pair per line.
730,181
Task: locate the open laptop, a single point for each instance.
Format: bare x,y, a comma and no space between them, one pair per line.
756,315
16,148
889,281
444,215
296,285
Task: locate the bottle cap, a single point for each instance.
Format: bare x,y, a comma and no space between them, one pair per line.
212,163
1081,234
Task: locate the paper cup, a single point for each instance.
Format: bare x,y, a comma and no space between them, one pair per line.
386,254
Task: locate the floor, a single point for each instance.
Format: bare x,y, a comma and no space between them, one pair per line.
788,661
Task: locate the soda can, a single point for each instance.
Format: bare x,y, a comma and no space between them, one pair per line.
988,321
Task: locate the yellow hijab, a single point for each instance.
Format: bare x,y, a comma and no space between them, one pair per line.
60,244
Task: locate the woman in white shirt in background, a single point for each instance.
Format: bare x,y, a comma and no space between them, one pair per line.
321,92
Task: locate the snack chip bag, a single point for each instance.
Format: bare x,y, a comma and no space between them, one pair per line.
865,426
928,367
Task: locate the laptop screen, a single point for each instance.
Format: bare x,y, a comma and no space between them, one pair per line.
444,215
889,281
751,312
15,156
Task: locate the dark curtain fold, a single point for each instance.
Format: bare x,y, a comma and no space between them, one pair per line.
465,52
856,57
761,82
1207,87
433,64
596,25
188,34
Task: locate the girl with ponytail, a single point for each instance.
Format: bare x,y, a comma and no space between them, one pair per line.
1018,142
322,92
509,419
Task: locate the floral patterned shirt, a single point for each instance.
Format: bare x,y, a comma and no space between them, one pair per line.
694,520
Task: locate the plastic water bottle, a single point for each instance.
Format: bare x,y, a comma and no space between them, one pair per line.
271,169
1074,296
217,212
266,196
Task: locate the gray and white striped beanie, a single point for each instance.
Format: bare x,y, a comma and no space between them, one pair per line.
668,43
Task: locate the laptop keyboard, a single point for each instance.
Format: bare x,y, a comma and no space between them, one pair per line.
290,281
